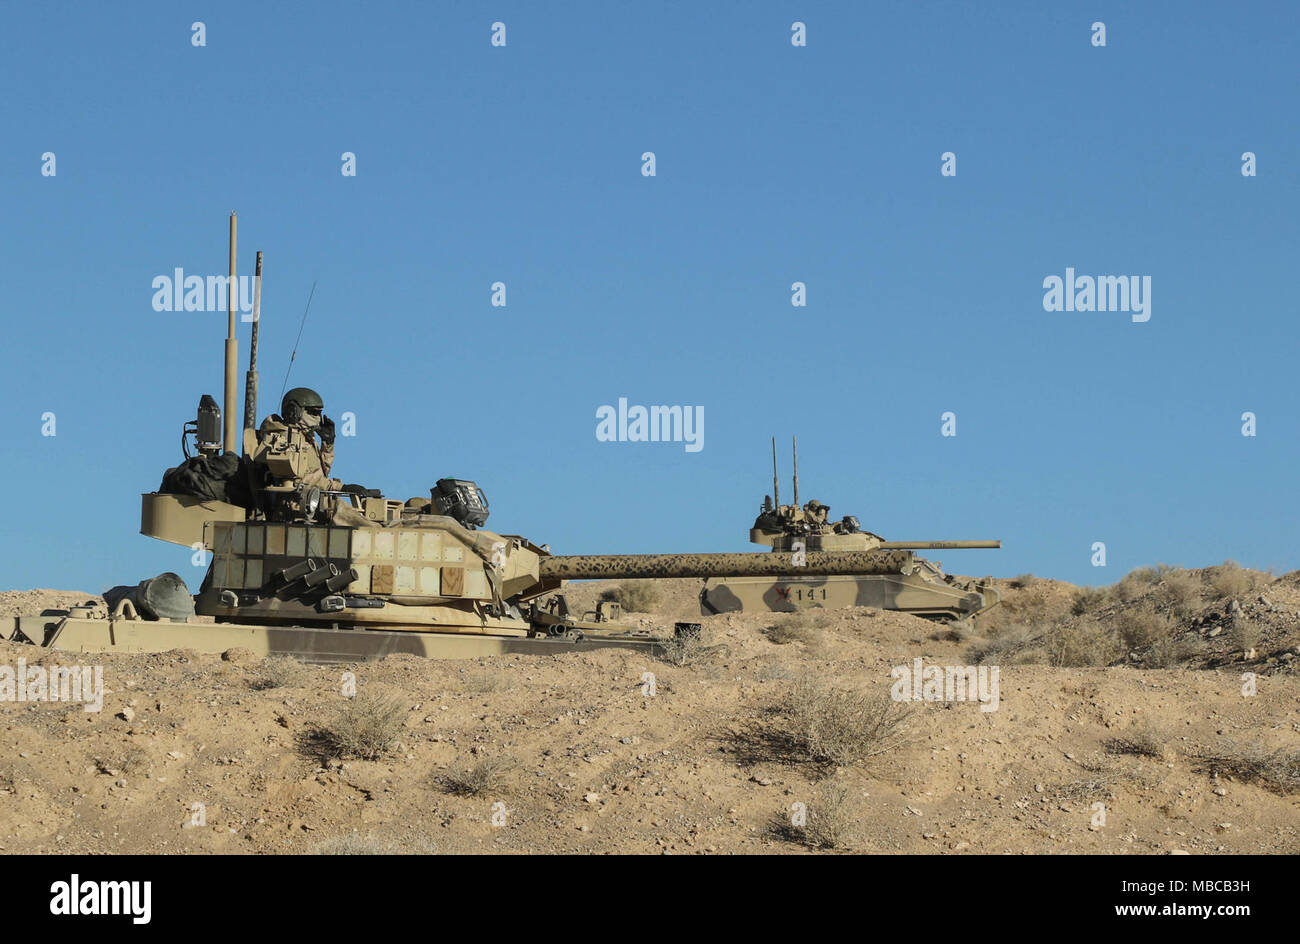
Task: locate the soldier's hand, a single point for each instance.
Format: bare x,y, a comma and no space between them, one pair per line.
326,430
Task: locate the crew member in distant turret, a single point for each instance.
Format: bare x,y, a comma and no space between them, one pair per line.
816,514
297,446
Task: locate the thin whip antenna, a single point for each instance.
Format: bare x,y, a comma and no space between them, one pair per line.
295,343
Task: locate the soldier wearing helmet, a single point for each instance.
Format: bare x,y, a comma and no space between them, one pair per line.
287,444
816,514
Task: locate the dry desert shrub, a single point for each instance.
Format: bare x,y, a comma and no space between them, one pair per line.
635,596
682,649
1083,643
128,758
278,672
1180,590
1089,600
1141,742
366,727
482,681
1141,626
1023,582
1243,634
1095,787
1169,653
828,821
1139,581
490,773
1276,770
845,726
1009,645
1230,579
798,627
1033,609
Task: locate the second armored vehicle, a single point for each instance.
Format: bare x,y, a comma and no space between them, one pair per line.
901,581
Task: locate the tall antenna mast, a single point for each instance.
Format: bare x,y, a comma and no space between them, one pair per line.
250,380
776,482
232,349
795,440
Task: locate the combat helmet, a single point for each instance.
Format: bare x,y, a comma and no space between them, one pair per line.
297,402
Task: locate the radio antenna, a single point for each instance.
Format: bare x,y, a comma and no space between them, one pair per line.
795,440
776,482
295,343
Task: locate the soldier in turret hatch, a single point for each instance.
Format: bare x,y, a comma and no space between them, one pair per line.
287,444
816,513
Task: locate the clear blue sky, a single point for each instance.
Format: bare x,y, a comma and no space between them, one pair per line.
775,164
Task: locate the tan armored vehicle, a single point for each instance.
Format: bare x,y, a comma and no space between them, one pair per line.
303,566
352,577
900,581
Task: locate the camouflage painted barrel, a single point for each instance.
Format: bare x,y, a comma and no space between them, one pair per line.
937,545
775,564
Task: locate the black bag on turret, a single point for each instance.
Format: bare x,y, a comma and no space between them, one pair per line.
210,479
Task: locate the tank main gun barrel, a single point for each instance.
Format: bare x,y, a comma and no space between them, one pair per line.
775,564
935,545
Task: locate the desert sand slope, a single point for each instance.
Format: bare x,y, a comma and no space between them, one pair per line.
571,755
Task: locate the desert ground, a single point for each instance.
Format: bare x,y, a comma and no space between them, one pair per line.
1160,715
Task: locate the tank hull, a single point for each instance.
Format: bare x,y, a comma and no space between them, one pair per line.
307,644
908,593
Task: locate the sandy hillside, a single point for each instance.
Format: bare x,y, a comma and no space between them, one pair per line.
571,756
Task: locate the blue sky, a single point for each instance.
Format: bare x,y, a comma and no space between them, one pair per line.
774,164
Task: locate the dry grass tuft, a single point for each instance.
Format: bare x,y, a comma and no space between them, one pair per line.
1169,653
1276,770
1089,600
1141,742
1083,643
1243,634
490,773
1010,645
366,727
798,627
482,681
1139,581
1141,625
1096,787
1180,590
129,758
279,672
828,822
1230,579
682,649
845,726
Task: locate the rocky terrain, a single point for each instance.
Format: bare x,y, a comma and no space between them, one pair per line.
1159,715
